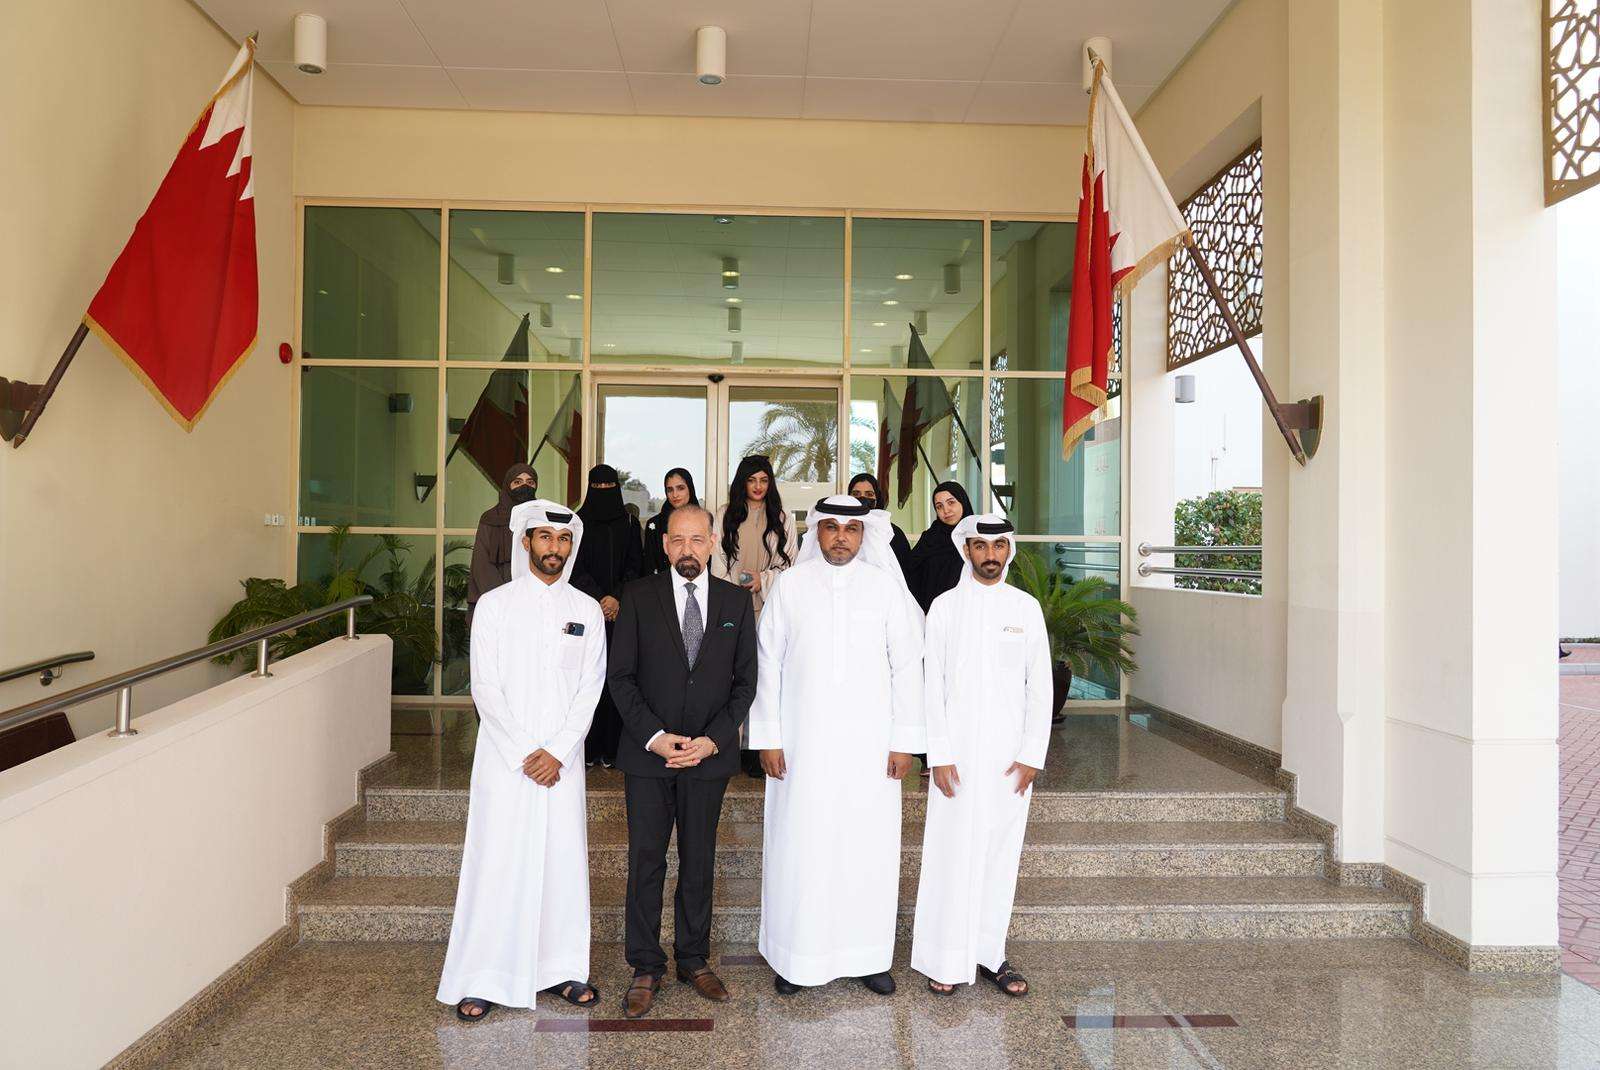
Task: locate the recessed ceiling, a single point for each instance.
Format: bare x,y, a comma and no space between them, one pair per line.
976,61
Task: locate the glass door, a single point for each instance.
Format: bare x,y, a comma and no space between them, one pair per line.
645,429
796,425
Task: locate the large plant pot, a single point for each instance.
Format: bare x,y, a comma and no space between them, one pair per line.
1061,681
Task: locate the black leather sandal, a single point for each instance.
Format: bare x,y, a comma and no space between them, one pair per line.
574,991
484,1008
1004,978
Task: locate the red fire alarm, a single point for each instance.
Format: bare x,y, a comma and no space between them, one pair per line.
286,352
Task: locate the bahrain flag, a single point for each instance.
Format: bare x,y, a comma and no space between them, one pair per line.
179,305
1127,224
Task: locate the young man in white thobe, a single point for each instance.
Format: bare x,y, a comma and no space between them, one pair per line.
521,922
987,694
837,717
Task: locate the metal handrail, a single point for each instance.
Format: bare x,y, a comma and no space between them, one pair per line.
122,683
1147,569
45,667
1145,549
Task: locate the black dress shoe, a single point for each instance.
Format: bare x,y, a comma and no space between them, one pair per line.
785,988
881,983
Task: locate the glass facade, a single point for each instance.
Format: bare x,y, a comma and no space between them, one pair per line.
439,346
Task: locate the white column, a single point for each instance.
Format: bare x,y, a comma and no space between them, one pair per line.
1472,518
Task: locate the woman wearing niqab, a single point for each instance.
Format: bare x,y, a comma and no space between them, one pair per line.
609,558
491,547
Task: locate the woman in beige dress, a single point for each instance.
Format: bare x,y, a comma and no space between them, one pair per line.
755,541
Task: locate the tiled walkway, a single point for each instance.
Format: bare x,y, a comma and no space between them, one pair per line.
1580,821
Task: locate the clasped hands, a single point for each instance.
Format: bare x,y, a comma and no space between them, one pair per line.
681,752
542,767
947,780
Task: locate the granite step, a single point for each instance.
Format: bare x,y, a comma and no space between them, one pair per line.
1051,849
744,801
1047,908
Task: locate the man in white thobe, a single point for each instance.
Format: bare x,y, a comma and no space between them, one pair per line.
837,716
987,693
521,922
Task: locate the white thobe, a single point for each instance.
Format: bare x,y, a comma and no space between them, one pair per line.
839,686
988,695
522,907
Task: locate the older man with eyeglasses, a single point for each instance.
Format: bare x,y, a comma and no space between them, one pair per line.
683,676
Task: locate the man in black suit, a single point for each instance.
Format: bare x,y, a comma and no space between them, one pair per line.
683,674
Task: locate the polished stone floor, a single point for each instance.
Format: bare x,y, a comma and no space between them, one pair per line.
1297,1004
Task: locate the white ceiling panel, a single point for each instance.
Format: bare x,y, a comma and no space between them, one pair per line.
359,31
532,34
882,98
594,92
944,40
659,37
1029,102
980,61
747,97
368,85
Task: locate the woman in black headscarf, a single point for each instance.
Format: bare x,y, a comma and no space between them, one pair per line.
609,557
865,488
935,562
491,547
679,488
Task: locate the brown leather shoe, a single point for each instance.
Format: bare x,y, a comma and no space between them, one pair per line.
641,996
706,983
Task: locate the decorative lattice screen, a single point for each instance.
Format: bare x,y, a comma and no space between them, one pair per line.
1225,216
1571,97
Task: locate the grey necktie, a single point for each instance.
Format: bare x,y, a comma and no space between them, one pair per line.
694,628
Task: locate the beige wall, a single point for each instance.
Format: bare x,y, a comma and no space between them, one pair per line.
789,163
122,533
157,862
1217,658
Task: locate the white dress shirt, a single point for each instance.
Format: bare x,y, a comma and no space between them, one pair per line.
680,600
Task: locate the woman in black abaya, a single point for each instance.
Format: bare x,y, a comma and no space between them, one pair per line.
610,556
935,563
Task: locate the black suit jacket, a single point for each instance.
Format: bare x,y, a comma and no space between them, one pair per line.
655,688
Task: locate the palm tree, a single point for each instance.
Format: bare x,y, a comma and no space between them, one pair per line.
801,439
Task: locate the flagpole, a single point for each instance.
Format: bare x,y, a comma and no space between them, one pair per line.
50,385
1239,340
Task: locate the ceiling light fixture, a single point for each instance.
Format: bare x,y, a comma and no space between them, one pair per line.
730,273
546,315
552,269
879,323
733,300
310,44
722,219
506,269
891,301
711,54
736,351
735,320
574,297
575,348
903,277
952,278
919,321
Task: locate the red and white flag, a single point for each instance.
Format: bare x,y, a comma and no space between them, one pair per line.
179,305
1127,224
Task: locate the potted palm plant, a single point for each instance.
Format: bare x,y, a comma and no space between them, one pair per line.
1088,625
402,608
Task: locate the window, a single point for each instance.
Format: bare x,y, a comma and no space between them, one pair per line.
1225,216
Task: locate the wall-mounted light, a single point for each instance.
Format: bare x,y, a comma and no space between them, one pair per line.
711,54
730,273
423,485
736,351
506,267
735,320
1183,389
400,403
919,322
952,278
546,316
310,44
